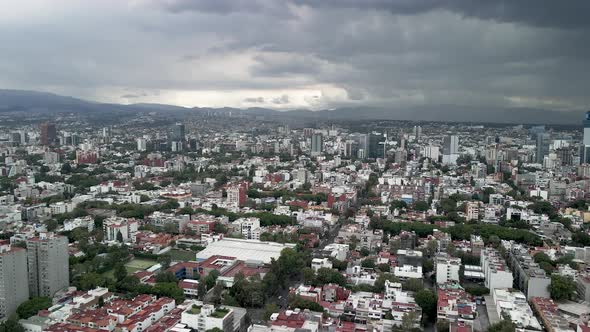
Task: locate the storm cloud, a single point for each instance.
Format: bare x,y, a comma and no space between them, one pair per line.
302,53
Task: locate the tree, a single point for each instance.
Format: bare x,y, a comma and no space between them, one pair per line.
211,279
201,291
368,263
431,247
413,285
165,261
166,276
308,275
11,325
442,325
120,272
270,309
426,299
216,293
477,290
119,237
31,307
66,168
90,280
408,321
51,225
398,204
504,325
561,287
100,302
421,206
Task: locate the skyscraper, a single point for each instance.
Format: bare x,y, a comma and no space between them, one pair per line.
543,141
317,144
585,148
48,133
14,289
376,145
48,262
450,149
179,132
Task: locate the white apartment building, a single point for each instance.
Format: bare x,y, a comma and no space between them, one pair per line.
447,268
495,270
318,263
206,317
249,227
405,272
14,289
48,263
115,225
513,304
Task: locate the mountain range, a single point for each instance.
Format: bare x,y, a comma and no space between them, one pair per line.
21,100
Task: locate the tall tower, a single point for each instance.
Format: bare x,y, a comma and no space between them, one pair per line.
585,148
317,144
48,133
543,141
48,261
179,132
14,289
450,149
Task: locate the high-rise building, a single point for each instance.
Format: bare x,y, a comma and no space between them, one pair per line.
141,144
317,144
450,149
376,145
417,132
543,141
48,133
14,289
363,146
585,148
48,262
179,132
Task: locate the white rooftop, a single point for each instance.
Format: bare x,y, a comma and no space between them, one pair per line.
245,250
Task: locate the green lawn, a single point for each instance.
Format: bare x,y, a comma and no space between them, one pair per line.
183,255
137,264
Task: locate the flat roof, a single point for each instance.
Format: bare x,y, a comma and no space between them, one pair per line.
245,250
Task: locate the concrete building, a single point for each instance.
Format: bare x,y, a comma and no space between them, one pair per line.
236,195
48,261
447,268
512,304
115,225
14,289
405,272
141,144
450,149
528,276
248,227
206,317
495,270
317,144
318,263
245,250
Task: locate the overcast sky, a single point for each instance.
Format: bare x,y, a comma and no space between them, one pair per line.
302,53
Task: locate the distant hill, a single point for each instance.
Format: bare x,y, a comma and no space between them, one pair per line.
15,100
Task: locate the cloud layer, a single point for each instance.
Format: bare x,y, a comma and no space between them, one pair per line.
302,53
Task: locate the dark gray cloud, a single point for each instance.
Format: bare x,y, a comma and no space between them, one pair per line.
303,53
543,13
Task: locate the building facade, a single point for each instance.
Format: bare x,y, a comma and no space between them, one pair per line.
48,261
